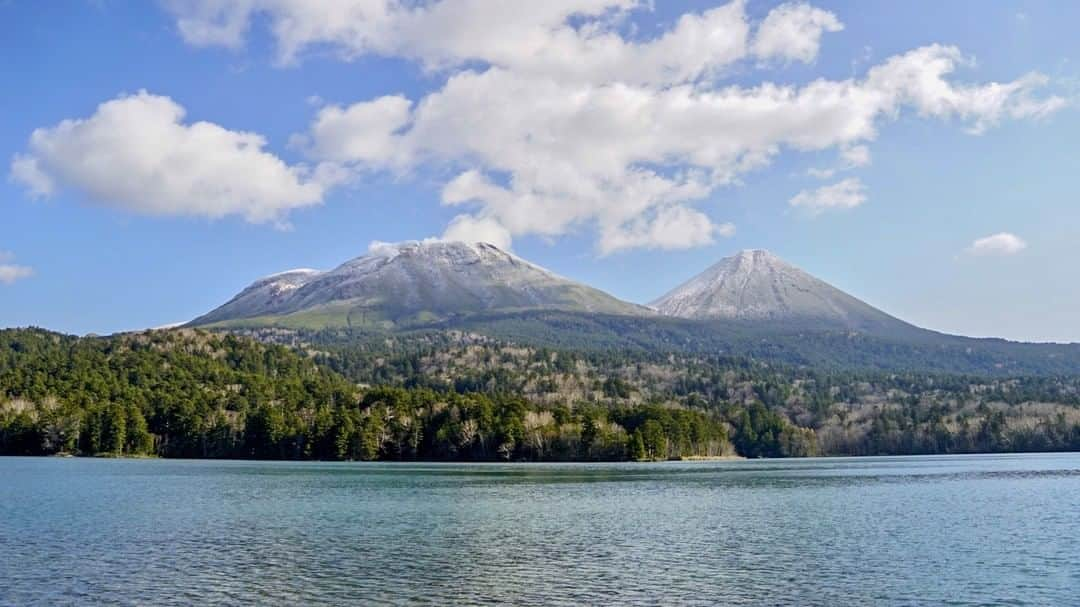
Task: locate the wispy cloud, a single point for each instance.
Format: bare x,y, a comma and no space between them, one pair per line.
846,194
852,157
1003,243
10,272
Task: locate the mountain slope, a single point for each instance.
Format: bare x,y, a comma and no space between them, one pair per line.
752,304
409,283
755,285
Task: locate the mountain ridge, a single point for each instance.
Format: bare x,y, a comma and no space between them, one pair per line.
411,282
749,304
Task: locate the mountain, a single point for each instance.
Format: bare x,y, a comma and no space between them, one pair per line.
751,304
407,284
756,304
757,286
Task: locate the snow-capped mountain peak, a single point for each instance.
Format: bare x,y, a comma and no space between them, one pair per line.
755,284
415,281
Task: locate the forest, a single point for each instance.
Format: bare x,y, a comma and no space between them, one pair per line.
451,395
818,346
197,394
849,411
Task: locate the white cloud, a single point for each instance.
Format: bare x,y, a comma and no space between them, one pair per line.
360,133
10,272
851,158
846,194
557,117
821,173
466,228
535,38
674,227
542,156
856,156
212,22
792,32
136,153
916,78
25,170
1002,243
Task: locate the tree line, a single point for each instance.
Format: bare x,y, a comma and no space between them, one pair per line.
196,394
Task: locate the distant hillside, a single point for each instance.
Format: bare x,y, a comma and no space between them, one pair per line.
792,343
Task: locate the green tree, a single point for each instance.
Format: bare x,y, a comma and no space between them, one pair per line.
636,446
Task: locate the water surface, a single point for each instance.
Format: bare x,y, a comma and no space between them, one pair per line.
961,530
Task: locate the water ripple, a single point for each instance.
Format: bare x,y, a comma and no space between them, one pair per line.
883,531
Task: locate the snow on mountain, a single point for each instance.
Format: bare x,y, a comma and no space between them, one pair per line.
757,285
417,281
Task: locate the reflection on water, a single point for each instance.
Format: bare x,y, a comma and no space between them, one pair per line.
923,530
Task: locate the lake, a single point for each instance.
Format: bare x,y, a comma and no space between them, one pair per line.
959,530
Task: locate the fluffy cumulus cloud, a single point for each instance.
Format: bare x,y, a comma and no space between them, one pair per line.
11,272
670,228
558,116
469,228
333,134
846,194
792,32
999,244
137,153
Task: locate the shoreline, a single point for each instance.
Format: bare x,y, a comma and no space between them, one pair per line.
710,458
700,458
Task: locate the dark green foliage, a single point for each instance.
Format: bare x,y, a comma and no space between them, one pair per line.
197,394
666,433
448,396
760,432
175,394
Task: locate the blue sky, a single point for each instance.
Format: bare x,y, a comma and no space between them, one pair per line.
920,155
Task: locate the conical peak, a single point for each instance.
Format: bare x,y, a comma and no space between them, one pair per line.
755,284
748,263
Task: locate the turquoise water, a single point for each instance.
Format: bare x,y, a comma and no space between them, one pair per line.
962,530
